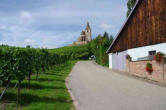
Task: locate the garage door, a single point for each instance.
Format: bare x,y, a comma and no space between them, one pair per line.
119,61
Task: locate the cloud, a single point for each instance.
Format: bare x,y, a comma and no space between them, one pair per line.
25,14
106,26
29,41
52,24
25,18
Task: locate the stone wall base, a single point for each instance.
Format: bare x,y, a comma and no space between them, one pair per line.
138,68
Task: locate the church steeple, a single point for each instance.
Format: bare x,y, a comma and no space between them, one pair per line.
87,26
88,32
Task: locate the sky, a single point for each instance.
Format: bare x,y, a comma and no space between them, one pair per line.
57,23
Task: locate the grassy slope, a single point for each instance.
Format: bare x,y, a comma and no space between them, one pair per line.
48,93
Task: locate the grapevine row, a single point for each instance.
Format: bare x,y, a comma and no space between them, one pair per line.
20,63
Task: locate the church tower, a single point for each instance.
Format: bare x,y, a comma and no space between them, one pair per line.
85,36
88,32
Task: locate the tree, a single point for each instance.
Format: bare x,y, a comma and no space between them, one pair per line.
20,69
6,65
111,38
99,47
130,5
37,62
106,35
30,62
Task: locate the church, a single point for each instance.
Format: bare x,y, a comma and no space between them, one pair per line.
85,36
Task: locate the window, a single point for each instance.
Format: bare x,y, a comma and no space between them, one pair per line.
82,38
152,53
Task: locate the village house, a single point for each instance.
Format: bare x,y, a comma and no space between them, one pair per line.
142,35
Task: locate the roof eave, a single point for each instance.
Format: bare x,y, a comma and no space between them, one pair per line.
125,23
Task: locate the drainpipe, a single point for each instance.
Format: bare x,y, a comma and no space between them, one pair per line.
163,71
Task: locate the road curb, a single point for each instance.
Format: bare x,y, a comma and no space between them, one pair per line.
71,94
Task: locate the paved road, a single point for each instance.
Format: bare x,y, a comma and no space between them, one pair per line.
97,88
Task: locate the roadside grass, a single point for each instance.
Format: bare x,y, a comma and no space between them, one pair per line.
49,92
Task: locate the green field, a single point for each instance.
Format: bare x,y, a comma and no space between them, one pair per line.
49,92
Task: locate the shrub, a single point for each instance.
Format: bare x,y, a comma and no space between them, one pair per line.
149,68
159,57
128,57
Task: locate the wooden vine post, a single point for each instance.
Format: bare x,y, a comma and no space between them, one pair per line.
19,93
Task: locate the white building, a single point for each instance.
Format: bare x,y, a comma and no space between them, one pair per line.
142,35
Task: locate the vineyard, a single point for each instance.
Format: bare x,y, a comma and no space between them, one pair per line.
27,74
20,68
80,52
